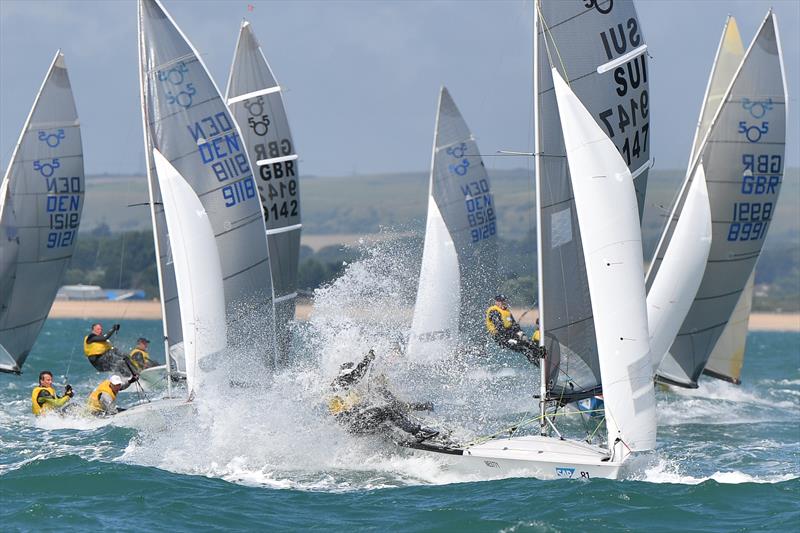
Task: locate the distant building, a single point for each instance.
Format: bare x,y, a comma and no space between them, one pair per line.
95,292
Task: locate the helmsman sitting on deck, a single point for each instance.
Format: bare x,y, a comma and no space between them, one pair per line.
44,398
365,410
506,332
102,354
103,400
140,356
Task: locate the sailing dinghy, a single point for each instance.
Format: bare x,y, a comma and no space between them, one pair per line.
591,274
255,101
41,200
459,258
739,152
187,122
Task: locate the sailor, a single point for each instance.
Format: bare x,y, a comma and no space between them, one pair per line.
364,410
103,400
140,356
102,354
44,397
506,332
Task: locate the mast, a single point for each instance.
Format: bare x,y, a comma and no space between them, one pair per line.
148,156
536,169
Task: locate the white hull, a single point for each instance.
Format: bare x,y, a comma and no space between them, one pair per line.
156,413
536,456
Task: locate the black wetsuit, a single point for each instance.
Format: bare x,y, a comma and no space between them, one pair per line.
513,338
111,361
364,418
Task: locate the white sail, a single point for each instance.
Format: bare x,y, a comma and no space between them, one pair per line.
434,327
459,260
42,205
197,269
682,269
607,211
743,156
254,98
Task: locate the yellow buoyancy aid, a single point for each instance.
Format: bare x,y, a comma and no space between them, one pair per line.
94,398
39,409
139,354
94,349
342,403
536,336
505,314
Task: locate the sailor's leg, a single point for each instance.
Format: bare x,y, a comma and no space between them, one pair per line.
101,363
400,420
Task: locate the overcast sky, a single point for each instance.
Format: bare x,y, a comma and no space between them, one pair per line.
361,78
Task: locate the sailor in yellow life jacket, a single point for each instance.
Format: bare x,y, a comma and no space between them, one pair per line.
367,412
506,332
101,353
103,400
44,397
140,356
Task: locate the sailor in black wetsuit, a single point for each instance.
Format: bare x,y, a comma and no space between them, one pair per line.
102,354
506,332
364,410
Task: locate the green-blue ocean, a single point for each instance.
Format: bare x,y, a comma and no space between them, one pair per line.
266,456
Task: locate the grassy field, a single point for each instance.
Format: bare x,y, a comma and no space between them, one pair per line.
343,208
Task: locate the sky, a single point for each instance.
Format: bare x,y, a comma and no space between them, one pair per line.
361,78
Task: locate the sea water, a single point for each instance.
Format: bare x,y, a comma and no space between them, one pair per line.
266,456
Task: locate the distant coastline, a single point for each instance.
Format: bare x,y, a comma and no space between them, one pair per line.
151,310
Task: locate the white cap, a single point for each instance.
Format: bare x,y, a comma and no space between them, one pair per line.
115,380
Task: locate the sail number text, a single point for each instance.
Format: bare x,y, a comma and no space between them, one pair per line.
220,147
761,176
63,206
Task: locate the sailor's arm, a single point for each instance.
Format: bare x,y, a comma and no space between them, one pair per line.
496,320
362,367
44,398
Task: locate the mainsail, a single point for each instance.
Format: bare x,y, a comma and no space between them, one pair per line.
42,202
607,212
197,269
459,259
186,120
743,157
255,100
599,49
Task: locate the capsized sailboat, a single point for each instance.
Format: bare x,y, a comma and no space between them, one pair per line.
188,123
255,101
41,201
459,258
741,149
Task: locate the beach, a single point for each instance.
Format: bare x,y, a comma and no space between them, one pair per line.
151,310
